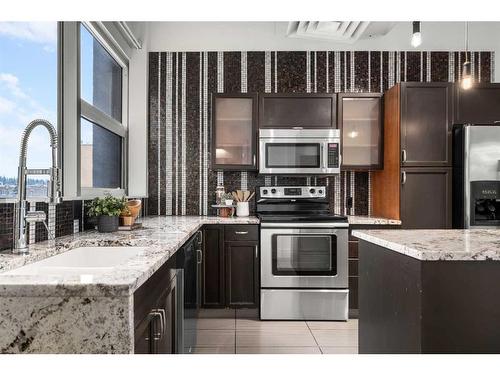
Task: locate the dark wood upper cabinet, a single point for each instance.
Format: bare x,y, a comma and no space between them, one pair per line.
361,122
478,105
426,123
415,184
297,110
426,198
242,273
234,132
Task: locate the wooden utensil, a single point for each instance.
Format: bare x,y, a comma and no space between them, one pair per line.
240,195
235,196
251,196
246,194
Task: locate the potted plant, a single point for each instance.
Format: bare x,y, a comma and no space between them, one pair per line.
227,199
107,211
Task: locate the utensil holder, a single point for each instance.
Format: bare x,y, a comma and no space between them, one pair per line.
242,209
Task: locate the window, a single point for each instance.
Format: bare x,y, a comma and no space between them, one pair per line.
28,90
102,111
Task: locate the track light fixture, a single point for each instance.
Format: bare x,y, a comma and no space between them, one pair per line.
416,37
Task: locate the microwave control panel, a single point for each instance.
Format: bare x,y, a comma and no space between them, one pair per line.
333,155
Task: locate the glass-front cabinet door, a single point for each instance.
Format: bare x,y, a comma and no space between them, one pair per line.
234,131
360,121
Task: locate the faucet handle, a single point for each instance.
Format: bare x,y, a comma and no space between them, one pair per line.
54,188
35,217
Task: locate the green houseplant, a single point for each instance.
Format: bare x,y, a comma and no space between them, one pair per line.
107,211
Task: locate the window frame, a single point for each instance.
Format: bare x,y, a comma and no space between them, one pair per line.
96,116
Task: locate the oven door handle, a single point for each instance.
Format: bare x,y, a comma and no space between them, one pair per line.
305,225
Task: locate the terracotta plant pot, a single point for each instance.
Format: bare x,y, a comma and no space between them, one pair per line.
107,224
225,211
135,207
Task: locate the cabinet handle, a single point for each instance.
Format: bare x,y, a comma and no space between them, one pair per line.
200,239
199,259
298,127
403,175
246,232
254,159
256,251
403,155
154,314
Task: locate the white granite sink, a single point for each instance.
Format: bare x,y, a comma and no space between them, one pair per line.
80,261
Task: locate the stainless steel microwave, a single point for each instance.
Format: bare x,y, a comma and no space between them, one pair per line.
299,151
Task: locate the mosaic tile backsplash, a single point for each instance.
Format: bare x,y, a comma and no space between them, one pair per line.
181,181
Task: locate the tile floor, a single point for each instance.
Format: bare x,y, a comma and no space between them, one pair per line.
240,331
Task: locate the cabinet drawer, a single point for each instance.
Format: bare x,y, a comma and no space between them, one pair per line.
353,267
353,249
245,232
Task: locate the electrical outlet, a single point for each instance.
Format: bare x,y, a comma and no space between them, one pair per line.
349,203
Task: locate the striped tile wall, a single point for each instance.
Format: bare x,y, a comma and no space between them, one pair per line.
181,84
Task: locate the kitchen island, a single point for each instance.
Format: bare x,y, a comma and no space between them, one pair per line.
432,291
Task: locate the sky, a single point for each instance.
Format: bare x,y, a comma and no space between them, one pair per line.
28,89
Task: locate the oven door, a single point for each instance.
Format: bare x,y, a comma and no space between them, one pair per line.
294,156
298,257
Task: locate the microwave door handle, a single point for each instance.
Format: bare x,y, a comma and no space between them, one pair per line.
322,158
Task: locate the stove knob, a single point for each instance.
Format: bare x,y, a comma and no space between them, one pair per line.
264,192
320,191
273,191
312,191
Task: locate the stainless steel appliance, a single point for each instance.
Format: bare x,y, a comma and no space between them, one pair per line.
304,274
189,260
299,151
476,176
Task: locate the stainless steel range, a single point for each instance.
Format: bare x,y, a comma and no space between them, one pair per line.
304,274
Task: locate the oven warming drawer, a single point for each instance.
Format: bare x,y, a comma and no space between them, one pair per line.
304,304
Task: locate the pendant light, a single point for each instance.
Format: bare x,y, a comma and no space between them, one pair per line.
416,37
467,68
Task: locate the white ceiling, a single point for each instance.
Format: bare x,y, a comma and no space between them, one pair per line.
237,36
272,36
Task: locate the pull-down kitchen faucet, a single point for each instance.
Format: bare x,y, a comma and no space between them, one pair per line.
23,217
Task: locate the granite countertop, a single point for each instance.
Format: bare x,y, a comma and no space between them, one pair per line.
371,220
435,245
162,236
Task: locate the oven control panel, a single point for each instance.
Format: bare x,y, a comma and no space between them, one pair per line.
292,191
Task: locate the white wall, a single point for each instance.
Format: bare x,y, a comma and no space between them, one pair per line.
138,107
138,118
261,36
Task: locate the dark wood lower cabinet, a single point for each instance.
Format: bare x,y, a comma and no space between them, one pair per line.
155,313
213,286
242,273
231,266
426,198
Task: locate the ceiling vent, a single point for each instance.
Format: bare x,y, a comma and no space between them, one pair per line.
338,31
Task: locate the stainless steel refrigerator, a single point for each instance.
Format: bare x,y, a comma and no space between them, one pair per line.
476,176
